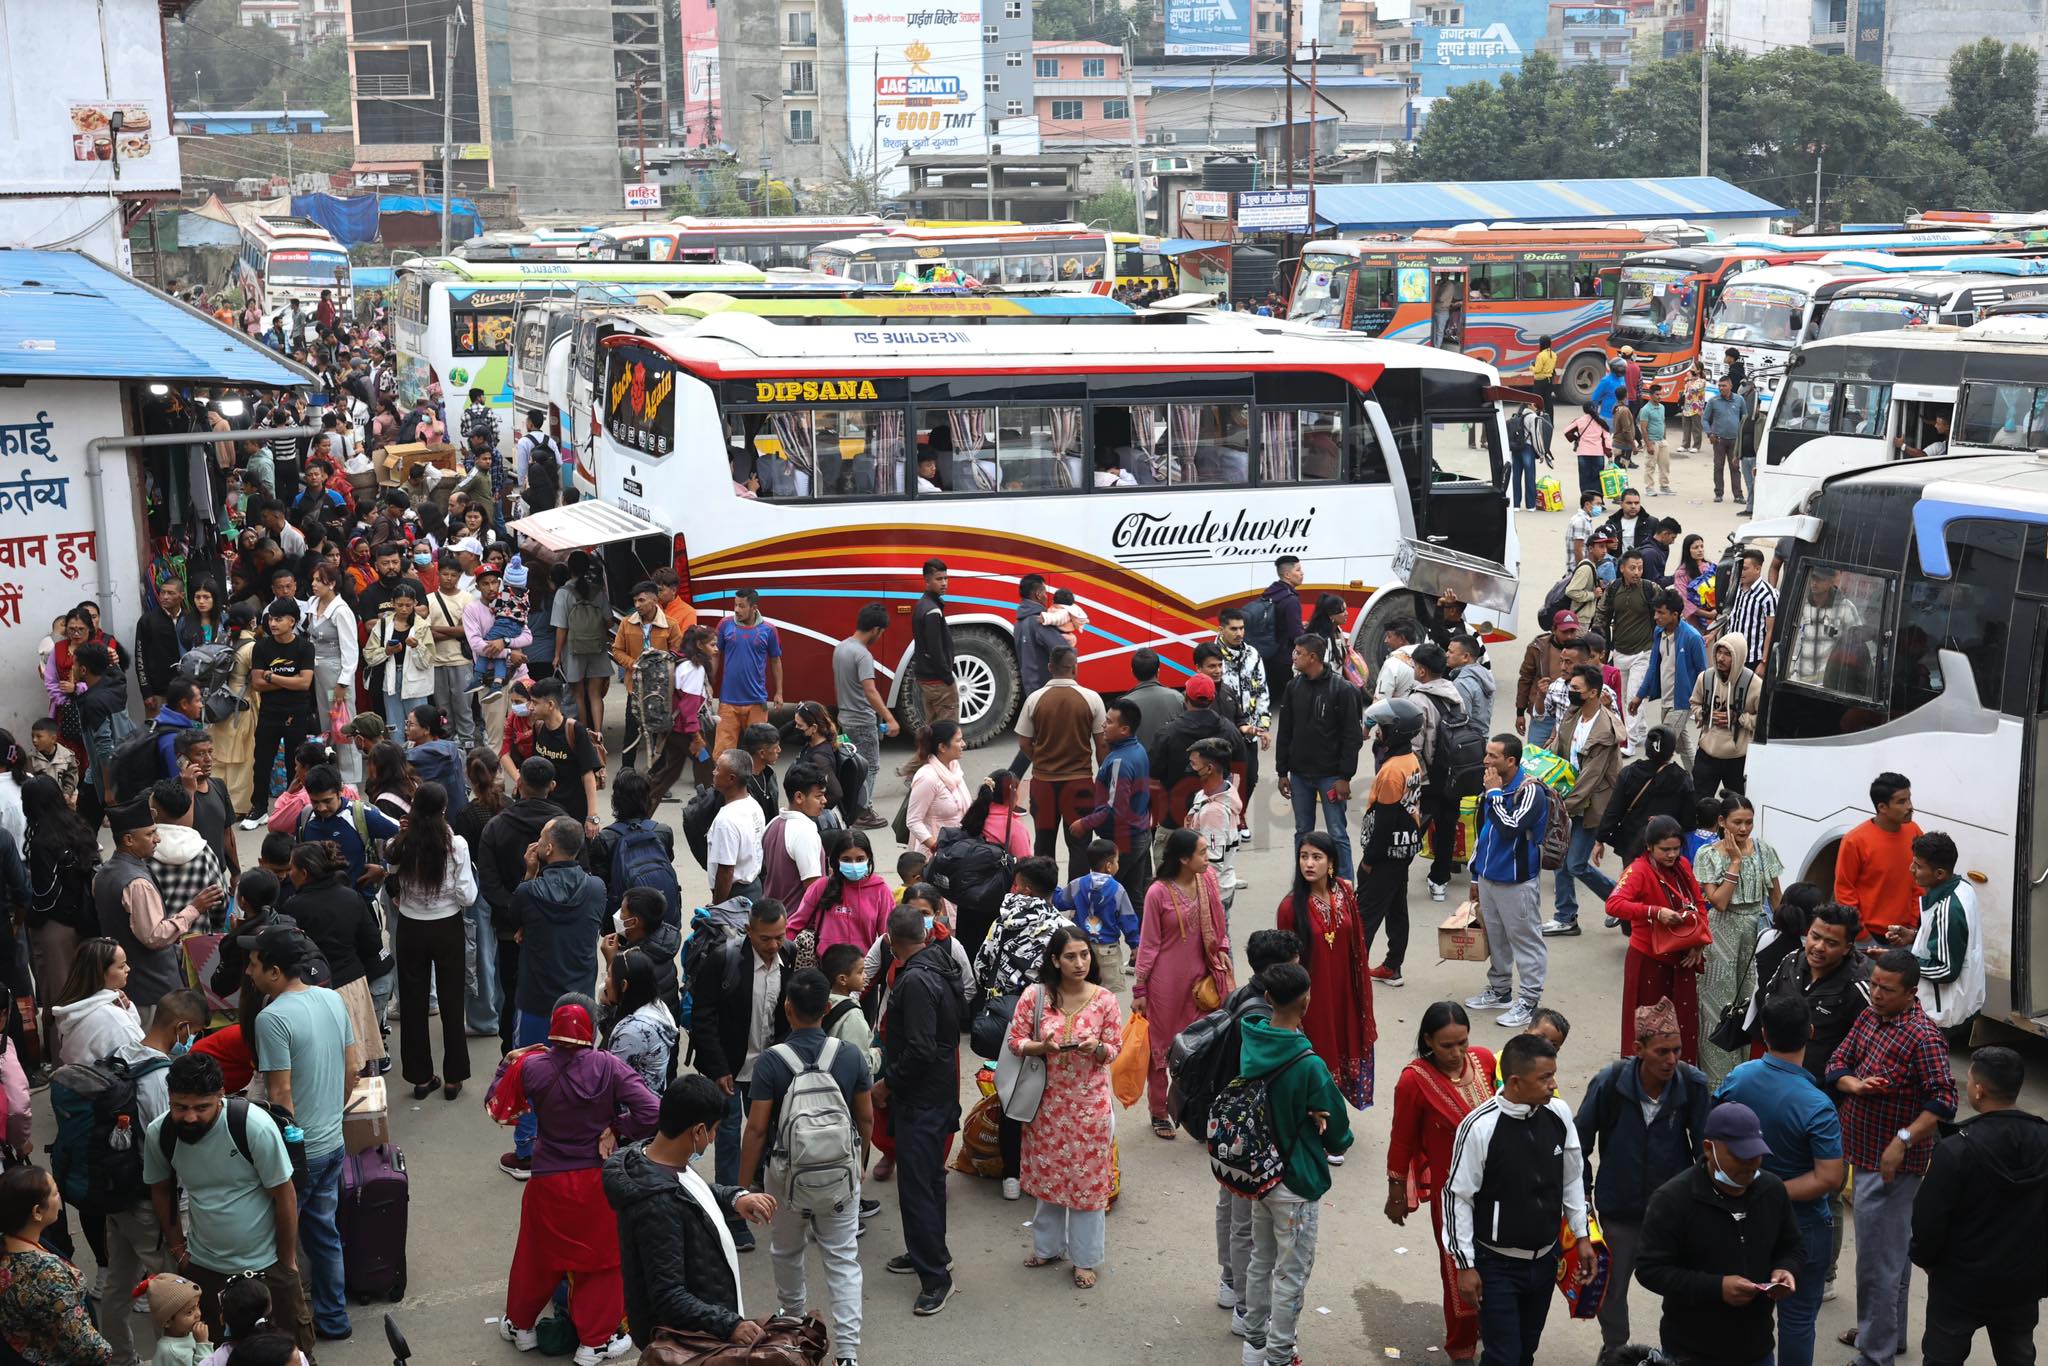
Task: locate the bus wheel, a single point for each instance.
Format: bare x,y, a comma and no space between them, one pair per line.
1370,638
985,672
1581,377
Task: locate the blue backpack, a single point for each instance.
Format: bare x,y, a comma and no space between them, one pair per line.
638,860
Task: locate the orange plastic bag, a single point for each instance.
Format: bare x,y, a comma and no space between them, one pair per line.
1127,1073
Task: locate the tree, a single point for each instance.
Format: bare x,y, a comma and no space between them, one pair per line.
1992,93
1543,121
1114,210
216,63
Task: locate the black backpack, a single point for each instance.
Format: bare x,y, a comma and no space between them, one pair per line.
136,763
237,1108
1261,626
970,872
1202,1060
1554,600
697,819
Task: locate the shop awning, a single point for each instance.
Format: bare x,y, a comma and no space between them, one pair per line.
584,525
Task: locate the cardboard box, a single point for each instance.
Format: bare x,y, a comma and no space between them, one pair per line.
1461,938
366,1119
395,464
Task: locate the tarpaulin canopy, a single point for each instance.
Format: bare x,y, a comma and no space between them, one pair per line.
352,220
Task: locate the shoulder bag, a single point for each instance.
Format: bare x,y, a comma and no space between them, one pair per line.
1212,986
1020,1080
784,1341
1669,943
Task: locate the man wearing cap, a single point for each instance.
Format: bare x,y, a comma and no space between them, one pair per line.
443,609
1721,1245
364,732
281,675
1644,1116
1542,661
131,910
302,1046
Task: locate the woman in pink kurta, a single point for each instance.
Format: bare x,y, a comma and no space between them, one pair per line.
1067,1161
1175,952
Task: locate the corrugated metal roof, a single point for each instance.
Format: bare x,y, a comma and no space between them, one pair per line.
1445,203
63,315
1271,82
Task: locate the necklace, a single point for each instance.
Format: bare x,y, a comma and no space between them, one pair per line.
1332,917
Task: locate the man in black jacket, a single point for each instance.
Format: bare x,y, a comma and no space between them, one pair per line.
1035,640
1977,1222
156,643
920,1051
931,649
1175,777
106,692
1316,750
736,1012
501,867
671,1258
1719,1244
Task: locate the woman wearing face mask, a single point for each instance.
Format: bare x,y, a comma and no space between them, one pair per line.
849,906
434,884
515,747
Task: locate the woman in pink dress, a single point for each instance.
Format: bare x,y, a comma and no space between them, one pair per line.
1067,1162
1183,941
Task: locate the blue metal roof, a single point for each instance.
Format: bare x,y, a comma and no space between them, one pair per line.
1267,81
1446,203
63,315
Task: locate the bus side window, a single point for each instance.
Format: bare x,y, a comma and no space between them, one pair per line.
1837,635
1969,612
1862,409
1995,414
1806,405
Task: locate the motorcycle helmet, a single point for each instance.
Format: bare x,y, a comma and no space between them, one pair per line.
1396,717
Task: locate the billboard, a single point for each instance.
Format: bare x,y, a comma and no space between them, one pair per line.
701,122
1492,42
914,84
99,121
1208,28
1272,210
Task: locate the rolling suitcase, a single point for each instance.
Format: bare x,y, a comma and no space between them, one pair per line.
375,1200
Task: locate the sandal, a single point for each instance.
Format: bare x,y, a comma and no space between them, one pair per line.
1847,1337
1163,1128
1084,1278
1043,1261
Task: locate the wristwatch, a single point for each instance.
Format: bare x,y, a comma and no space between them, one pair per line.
1904,1136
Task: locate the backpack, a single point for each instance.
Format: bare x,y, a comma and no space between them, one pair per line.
1244,1151
101,743
651,690
970,872
211,667
1440,741
91,1101
698,817
136,763
1201,1061
708,933
589,626
1519,439
814,1166
237,1108
1261,626
1468,743
1554,600
1557,836
852,772
638,860
543,476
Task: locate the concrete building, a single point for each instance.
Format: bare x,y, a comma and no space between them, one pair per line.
247,122
1591,35
1039,189
1219,105
1009,87
303,21
782,70
1912,43
1080,98
1757,26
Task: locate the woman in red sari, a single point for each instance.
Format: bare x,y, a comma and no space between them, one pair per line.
1659,889
1447,1079
1322,911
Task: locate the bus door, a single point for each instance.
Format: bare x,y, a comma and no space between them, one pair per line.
2030,842
1446,303
1914,408
1448,435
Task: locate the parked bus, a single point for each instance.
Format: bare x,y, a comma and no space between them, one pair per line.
284,258
1869,398
1489,292
1156,464
1912,637
1037,257
1957,297
539,244
762,242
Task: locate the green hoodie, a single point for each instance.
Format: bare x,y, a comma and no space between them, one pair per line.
1304,1087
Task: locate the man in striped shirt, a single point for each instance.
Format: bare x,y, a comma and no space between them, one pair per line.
1754,612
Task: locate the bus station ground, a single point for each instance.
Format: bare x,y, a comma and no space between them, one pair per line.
1374,1292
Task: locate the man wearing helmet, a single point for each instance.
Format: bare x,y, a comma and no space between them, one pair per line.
1392,832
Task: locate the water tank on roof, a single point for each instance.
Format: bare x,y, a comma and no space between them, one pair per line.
1230,173
1254,273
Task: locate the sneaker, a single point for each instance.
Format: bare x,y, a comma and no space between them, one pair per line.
1665,491
1517,1018
743,1240
903,1266
1335,1159
1613,923
517,1167
1828,1293
1252,1354
1011,1190
329,1334
1244,834
620,1345
1226,1297
99,1285
1559,929
1486,1000
1131,966
255,820
1238,1327
930,1302
870,1208
1385,975
525,1339
1437,890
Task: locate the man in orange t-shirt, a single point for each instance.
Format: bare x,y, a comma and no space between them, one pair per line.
677,608
1874,870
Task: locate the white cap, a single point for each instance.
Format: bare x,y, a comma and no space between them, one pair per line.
468,545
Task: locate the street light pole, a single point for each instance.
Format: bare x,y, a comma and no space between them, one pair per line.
448,122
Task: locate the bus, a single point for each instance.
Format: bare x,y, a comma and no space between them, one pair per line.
284,258
1050,255
1489,292
1155,463
540,244
762,242
1870,398
452,320
1957,297
1912,637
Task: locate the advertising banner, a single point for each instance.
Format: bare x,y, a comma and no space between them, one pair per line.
1272,210
1491,43
914,84
701,122
98,120
1208,28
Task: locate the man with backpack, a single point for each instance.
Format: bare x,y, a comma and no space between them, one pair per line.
736,1015
1273,620
636,850
1272,1133
231,1159
1591,733
1453,748
539,464
809,1119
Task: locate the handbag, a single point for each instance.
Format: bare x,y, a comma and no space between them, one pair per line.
784,1341
1208,993
1020,1080
1729,1033
986,1035
1669,943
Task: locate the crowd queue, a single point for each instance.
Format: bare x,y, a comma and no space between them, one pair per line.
408,702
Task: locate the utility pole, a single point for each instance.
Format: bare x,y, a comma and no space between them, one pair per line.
448,122
1706,50
1131,112
1209,135
1819,154
640,131
1287,66
287,135
1314,52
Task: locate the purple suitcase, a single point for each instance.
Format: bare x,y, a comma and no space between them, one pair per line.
375,1202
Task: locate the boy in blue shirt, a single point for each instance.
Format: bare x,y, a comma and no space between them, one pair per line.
1099,904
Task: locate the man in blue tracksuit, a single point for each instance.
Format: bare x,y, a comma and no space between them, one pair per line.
1609,390
1678,656
1513,810
1123,799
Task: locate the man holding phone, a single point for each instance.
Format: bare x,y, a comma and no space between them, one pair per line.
1720,1243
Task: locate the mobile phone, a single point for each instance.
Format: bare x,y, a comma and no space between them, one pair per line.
1069,1047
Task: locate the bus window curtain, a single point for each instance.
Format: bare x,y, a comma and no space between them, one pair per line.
970,428
1066,443
1185,421
793,433
1145,431
886,442
1276,446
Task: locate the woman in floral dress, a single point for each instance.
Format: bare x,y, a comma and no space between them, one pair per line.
1322,911
1183,941
1067,1165
43,1317
1739,874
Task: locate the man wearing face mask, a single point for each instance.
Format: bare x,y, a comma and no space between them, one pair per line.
1720,1244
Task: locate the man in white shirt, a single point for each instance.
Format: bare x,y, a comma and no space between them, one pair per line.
1397,675
792,851
733,849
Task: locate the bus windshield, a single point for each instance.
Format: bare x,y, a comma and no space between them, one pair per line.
1320,288
1757,315
1657,303
307,267
1847,317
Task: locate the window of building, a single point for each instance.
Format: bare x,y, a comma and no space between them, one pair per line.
1066,111
1265,22
1116,109
1046,68
1612,49
803,78
801,28
1092,68
1015,109
1582,48
1013,59
991,82
802,128
991,35
1013,9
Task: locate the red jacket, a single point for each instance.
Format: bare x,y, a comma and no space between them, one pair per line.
1641,892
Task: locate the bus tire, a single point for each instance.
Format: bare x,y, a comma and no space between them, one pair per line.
1581,376
991,688
1370,638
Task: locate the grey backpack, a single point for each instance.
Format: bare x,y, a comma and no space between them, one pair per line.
814,1166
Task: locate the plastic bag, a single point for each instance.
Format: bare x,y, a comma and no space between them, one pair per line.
980,1152
338,717
1127,1073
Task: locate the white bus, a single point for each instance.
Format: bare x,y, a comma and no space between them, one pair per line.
1156,464
1912,637
1868,398
1762,314
763,242
284,258
1958,297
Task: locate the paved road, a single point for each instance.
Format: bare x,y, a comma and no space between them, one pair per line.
1374,1292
